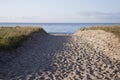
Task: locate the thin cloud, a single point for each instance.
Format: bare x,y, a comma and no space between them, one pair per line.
80,17
101,16
18,19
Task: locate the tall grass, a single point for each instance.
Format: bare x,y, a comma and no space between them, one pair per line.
113,29
11,37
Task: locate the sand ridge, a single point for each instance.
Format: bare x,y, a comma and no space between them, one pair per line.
65,57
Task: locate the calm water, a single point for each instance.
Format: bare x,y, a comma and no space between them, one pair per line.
59,27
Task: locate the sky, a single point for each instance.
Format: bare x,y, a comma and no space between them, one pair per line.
60,11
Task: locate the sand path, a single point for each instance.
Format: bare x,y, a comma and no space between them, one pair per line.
60,57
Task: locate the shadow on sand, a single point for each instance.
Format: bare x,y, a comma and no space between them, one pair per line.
34,55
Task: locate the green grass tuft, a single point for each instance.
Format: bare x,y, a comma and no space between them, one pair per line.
11,37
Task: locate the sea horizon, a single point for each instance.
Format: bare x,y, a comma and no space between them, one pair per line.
57,27
62,22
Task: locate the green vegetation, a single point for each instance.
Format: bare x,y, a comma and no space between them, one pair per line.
11,37
113,29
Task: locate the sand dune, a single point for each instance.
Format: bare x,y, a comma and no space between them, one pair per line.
87,55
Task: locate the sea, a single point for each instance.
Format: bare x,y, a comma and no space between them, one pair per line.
68,28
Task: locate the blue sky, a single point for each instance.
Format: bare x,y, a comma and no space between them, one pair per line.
60,11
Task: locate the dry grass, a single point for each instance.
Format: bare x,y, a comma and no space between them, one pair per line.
11,37
113,29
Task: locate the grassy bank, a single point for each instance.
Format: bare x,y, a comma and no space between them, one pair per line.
113,29
11,37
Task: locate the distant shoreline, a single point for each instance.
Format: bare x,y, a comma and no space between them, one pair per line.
59,33
59,27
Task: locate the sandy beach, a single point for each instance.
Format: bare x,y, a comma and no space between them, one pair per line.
84,55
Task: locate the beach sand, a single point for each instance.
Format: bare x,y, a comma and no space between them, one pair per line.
85,55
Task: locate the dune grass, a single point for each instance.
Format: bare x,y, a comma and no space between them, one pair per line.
113,29
11,37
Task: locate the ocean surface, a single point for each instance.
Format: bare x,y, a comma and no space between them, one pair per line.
59,27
